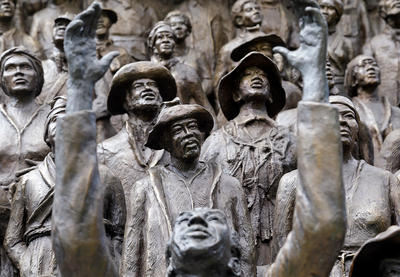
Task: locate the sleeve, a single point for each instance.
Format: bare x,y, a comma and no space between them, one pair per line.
319,221
13,240
78,231
133,249
394,189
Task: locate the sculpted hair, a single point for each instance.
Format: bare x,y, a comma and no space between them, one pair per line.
36,64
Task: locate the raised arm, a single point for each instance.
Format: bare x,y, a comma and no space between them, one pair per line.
319,221
79,238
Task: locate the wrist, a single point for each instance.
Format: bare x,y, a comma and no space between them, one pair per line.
79,95
315,88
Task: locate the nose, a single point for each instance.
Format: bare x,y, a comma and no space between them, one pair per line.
197,220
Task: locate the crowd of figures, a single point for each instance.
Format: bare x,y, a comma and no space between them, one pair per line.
196,123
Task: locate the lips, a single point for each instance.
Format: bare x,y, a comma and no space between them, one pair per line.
198,232
256,83
20,81
148,95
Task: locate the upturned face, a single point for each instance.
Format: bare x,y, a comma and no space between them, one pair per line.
262,47
179,27
251,14
164,42
367,72
329,12
348,125
59,30
7,9
200,232
253,86
103,25
19,76
185,139
144,93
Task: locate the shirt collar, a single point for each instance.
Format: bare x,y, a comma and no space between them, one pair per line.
247,116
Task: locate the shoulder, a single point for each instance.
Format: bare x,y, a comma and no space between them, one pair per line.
115,143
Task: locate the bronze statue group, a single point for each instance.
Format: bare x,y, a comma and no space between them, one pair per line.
200,138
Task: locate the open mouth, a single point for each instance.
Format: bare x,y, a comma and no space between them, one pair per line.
148,95
20,81
198,233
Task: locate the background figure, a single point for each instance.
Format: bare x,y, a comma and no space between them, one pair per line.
384,48
182,27
43,22
376,113
10,35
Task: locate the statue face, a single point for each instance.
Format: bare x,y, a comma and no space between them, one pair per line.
7,9
19,76
103,25
254,85
392,7
202,231
262,47
164,42
329,12
179,27
348,125
59,30
367,73
185,139
144,93
251,14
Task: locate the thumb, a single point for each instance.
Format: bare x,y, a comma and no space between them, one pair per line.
282,50
107,59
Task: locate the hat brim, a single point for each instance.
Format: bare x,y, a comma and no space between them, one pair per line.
230,82
172,114
111,14
240,51
368,258
127,74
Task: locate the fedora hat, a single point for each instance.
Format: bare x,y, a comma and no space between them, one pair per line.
127,74
111,15
230,82
172,112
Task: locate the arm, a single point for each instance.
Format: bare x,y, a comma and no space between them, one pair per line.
13,240
78,234
319,221
394,197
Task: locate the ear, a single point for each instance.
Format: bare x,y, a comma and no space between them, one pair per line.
239,21
236,97
234,266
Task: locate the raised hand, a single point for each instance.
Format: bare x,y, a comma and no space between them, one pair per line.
83,66
310,57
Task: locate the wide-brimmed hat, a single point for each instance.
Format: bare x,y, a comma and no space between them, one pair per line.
243,49
174,111
111,15
230,83
367,260
68,17
124,77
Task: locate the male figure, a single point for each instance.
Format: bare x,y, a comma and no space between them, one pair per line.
340,48
43,22
376,113
138,89
56,68
135,19
10,36
105,45
383,47
250,146
28,236
161,43
182,28
182,184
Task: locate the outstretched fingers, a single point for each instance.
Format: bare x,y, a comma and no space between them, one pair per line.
73,29
315,16
107,59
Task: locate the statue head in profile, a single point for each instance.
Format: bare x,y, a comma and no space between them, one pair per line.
362,72
332,10
180,130
140,88
7,10
180,24
246,14
203,244
161,41
21,74
379,256
256,79
389,10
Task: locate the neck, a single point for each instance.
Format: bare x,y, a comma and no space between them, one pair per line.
102,37
219,273
181,48
5,25
347,155
22,102
184,167
143,117
368,93
249,29
257,107
331,29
